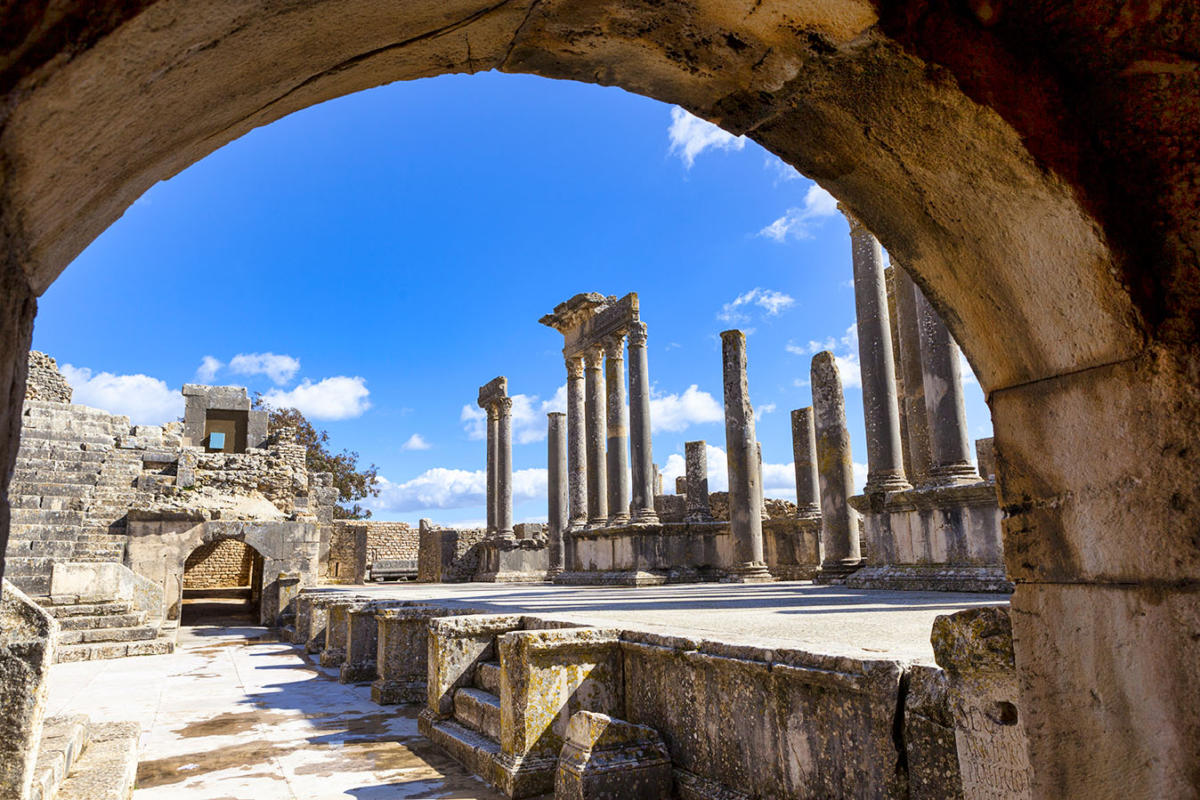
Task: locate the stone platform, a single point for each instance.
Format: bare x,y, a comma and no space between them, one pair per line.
832,620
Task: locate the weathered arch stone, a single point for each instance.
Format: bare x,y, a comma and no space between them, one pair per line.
1037,172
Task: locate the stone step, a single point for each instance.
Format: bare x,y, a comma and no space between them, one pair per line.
487,677
39,548
473,750
63,742
478,710
60,608
55,489
103,650
52,458
32,585
81,437
24,516
45,502
98,635
127,620
16,566
108,768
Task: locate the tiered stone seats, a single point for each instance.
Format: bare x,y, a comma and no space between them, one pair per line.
79,760
113,629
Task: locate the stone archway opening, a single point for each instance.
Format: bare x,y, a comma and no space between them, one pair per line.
1036,172
222,584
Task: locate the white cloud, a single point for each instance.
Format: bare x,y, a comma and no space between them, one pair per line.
675,412
442,488
968,374
416,442
860,477
209,366
769,300
690,136
145,400
845,354
779,480
339,397
528,416
797,222
279,368
783,171
766,408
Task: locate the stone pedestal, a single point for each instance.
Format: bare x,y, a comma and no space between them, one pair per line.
362,638
975,648
27,644
401,659
745,491
337,632
513,561
606,758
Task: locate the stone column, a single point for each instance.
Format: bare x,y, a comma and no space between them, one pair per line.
804,452
618,431
696,465
745,494
911,375
504,506
493,426
576,446
597,474
762,492
556,469
885,457
641,453
839,523
949,445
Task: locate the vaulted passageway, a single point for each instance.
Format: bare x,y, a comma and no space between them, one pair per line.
1036,171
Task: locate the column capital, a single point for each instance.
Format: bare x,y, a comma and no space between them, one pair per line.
614,346
493,413
574,366
593,357
503,406
856,226
637,334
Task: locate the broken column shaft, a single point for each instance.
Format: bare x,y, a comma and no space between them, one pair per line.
839,523
696,466
950,447
576,445
804,453
556,478
745,497
908,364
617,434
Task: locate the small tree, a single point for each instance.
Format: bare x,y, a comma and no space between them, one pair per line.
352,483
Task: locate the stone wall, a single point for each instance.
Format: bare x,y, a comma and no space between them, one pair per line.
448,555
277,473
44,381
354,544
342,558
220,564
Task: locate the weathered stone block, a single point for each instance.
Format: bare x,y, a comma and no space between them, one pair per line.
27,636
402,648
605,759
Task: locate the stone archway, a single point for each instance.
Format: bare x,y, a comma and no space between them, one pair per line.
222,579
1036,171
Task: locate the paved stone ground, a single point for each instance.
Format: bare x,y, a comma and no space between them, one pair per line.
824,619
234,715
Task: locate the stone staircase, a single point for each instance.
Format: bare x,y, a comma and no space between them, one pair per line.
112,629
474,730
70,490
79,760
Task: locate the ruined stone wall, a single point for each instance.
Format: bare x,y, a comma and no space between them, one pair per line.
390,540
448,555
342,559
44,381
354,544
218,565
277,473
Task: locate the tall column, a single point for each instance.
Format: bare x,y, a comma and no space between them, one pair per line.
597,483
641,452
618,431
804,453
839,523
504,505
949,445
885,457
576,445
745,498
493,423
911,375
762,492
556,479
696,470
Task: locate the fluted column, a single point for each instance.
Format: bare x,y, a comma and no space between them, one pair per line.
618,431
493,423
839,523
696,470
885,457
908,362
804,453
556,479
745,495
597,475
576,446
504,504
641,452
949,444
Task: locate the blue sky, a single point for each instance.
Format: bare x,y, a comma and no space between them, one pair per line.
375,259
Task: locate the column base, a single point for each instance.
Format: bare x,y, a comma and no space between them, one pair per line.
645,516
962,472
886,483
749,572
834,573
